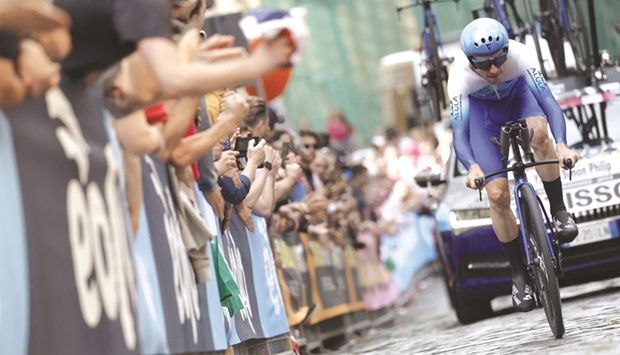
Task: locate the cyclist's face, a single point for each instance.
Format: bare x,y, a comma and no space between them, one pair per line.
494,74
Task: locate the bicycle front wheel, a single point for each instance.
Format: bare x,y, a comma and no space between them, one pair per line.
542,270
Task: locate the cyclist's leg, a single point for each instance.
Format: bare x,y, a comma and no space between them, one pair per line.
526,107
505,227
489,158
543,147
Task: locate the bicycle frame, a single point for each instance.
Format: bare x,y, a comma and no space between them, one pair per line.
502,17
427,12
563,16
427,42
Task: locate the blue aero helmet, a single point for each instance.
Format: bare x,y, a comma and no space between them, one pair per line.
483,36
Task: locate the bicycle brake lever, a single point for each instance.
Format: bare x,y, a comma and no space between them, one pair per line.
568,162
478,182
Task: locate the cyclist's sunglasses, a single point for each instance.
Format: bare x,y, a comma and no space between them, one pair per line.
485,64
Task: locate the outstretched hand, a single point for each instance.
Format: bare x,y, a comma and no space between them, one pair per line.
274,53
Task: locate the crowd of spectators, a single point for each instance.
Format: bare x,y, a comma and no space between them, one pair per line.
169,94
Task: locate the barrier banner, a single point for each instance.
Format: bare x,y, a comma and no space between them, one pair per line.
356,299
340,272
296,244
14,297
410,249
216,311
291,280
378,288
184,302
151,324
72,269
245,324
251,262
267,289
328,286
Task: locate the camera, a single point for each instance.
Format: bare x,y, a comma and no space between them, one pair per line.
241,146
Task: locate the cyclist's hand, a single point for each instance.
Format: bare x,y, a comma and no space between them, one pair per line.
565,152
473,173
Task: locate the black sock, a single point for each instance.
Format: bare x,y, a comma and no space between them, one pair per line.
554,193
513,253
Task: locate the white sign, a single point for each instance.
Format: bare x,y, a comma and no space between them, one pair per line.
595,183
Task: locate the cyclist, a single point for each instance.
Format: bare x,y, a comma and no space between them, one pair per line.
498,80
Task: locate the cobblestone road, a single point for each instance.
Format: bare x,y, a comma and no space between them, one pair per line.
428,326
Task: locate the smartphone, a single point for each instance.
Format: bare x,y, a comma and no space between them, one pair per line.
286,148
242,143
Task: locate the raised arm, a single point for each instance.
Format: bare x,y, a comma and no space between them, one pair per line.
195,146
197,78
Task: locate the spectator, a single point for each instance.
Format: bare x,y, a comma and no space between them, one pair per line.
274,118
309,145
321,167
339,130
282,137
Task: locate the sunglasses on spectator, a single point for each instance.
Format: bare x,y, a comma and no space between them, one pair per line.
308,146
486,64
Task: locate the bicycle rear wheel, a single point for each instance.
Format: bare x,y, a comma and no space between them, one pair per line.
543,270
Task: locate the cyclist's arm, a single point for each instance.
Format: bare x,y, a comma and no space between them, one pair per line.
459,117
538,85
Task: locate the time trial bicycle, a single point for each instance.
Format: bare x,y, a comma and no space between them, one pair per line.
436,76
544,256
